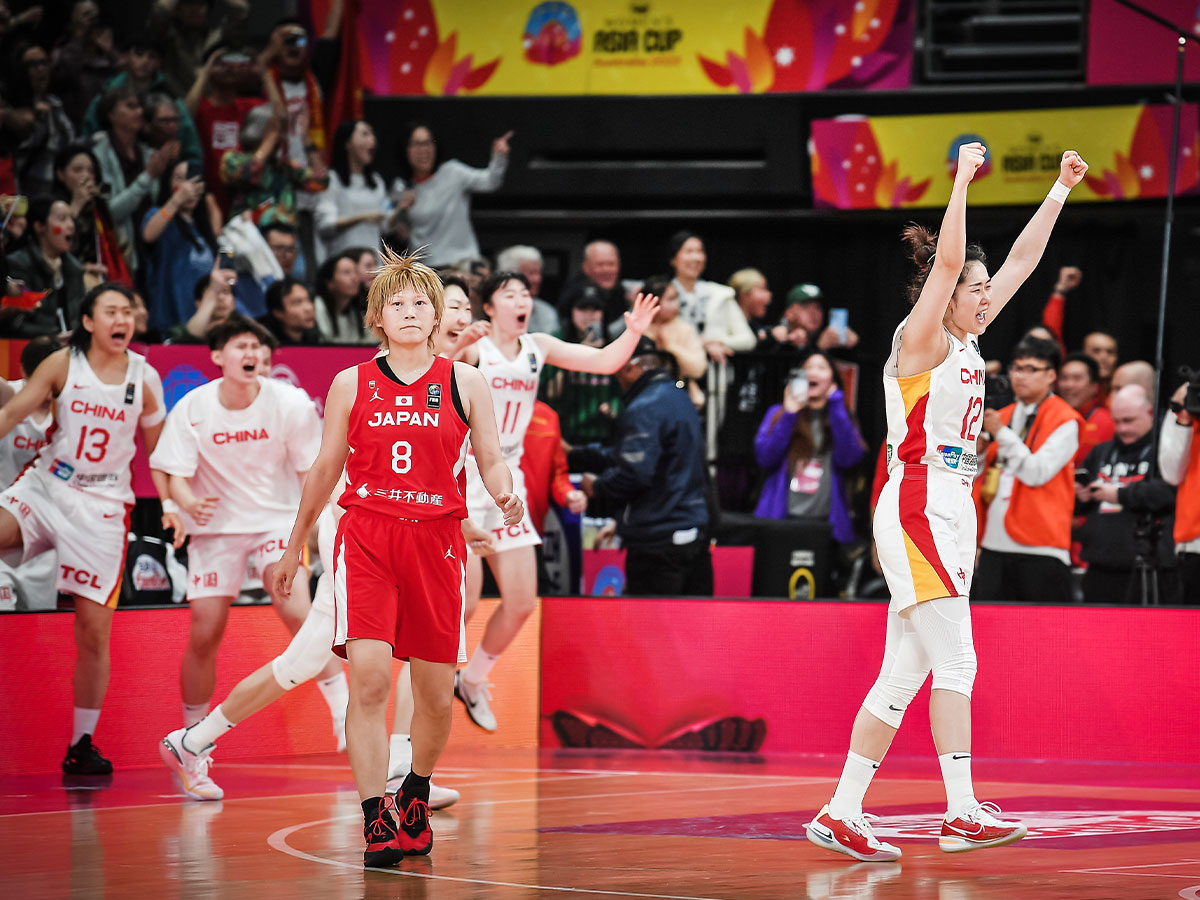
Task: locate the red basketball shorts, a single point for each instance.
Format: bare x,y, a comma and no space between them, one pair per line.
401,582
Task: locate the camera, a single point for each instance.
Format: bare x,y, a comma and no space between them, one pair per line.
997,392
1191,400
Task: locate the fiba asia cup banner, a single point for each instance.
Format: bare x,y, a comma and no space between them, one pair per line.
513,48
884,162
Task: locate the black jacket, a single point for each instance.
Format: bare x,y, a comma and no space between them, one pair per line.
31,267
655,473
1107,537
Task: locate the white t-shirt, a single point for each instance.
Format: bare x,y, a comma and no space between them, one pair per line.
246,457
21,445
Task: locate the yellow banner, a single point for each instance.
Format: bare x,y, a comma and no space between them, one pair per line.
622,47
885,162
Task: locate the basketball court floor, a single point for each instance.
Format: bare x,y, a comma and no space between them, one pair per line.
616,824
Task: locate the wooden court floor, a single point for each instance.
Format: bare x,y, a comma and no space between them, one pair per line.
616,825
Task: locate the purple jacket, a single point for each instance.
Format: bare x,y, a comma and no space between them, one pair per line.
770,448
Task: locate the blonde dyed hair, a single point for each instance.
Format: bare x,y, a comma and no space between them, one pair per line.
397,272
744,280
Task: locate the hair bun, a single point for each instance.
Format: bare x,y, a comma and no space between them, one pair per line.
921,242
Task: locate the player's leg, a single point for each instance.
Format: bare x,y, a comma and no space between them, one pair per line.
10,531
198,670
400,748
474,585
516,576
432,687
366,740
93,628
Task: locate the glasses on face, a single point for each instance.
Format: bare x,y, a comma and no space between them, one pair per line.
166,120
1025,369
282,248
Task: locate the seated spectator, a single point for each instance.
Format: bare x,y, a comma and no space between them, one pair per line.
1179,460
46,264
675,336
182,29
1054,312
291,316
367,260
733,322
36,119
696,296
127,166
214,304
806,445
1028,485
586,402
143,333
1103,349
181,245
432,199
654,482
528,261
1138,372
1079,385
803,317
351,212
1121,495
1041,332
219,107
260,180
84,59
167,118
600,276
341,304
77,181
285,245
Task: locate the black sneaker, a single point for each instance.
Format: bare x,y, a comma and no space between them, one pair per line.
380,833
83,758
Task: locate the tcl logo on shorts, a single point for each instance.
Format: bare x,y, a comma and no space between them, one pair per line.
79,576
511,531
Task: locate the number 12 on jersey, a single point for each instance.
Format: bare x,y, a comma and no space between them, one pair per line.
971,418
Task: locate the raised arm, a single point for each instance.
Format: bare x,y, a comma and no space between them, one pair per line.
923,335
1028,249
47,379
602,360
322,477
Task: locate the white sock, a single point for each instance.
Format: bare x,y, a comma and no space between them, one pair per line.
399,743
206,731
480,666
960,792
85,723
336,691
193,713
852,786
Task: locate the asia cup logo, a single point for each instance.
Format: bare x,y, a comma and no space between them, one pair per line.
553,34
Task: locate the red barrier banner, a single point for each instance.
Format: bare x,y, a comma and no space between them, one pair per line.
1063,683
1126,48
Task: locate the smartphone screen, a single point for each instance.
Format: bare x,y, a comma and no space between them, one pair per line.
839,321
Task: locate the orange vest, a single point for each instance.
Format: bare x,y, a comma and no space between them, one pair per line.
1187,498
1041,516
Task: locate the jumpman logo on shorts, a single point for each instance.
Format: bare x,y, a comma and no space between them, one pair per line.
449,553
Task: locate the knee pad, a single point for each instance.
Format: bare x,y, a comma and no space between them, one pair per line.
308,652
945,629
890,695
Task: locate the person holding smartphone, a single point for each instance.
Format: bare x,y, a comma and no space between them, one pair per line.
181,244
807,443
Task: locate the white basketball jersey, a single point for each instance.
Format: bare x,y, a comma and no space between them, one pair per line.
514,387
934,418
92,441
19,447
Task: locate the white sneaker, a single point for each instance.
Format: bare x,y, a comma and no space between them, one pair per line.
339,732
476,698
190,769
400,764
853,837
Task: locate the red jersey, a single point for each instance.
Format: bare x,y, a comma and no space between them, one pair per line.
408,444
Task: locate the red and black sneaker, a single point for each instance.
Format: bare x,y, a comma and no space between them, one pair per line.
414,836
382,849
83,758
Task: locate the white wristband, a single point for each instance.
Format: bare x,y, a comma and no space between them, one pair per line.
170,506
1058,191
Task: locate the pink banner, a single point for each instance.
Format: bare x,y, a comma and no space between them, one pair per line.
1126,48
733,570
1066,683
183,367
